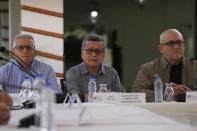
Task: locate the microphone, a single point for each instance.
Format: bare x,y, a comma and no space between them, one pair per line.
1,58
6,51
3,49
20,67
23,66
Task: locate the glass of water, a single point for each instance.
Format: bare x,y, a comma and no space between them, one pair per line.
169,92
103,88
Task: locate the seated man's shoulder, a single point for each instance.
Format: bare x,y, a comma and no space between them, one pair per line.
75,68
191,62
8,65
152,63
42,64
194,61
108,68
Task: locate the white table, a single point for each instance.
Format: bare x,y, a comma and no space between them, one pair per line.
137,117
181,112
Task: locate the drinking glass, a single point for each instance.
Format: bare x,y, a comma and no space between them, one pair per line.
1,87
169,92
103,88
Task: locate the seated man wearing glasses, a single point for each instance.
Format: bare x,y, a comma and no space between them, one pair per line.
172,67
92,54
13,73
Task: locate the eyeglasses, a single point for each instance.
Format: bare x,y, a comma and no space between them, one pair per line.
97,51
173,43
20,48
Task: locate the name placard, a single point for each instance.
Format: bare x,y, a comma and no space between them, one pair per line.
191,96
120,98
129,98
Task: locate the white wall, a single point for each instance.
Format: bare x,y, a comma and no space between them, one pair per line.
45,22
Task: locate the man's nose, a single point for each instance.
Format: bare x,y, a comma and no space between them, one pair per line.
177,46
25,49
94,53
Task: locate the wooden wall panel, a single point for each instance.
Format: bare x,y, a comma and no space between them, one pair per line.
52,5
44,20
42,11
41,21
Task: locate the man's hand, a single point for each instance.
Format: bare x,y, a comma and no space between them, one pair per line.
180,88
4,114
176,89
5,98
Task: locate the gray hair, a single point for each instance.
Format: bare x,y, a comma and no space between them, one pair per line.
165,33
93,37
24,36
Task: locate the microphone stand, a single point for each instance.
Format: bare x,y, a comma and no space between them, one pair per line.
18,59
20,67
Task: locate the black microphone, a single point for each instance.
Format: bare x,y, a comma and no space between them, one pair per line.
3,49
20,67
6,51
15,57
1,58
23,66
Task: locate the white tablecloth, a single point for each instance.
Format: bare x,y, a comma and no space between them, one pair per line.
137,117
181,112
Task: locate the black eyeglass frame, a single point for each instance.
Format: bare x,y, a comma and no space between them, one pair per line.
90,51
173,43
29,48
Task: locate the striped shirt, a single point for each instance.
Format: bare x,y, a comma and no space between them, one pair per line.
11,77
77,79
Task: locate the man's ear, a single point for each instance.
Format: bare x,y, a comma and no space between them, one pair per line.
185,45
35,53
104,54
13,51
160,48
82,55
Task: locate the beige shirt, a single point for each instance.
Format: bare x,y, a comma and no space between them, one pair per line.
145,78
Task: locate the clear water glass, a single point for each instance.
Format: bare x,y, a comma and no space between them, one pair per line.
103,88
169,92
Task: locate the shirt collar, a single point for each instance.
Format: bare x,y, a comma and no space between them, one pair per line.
103,69
165,63
85,71
27,67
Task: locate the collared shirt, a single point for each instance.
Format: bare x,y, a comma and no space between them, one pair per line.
176,74
145,78
11,77
77,79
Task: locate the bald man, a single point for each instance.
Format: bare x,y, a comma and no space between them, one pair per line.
172,67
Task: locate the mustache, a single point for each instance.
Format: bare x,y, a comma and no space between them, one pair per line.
178,51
